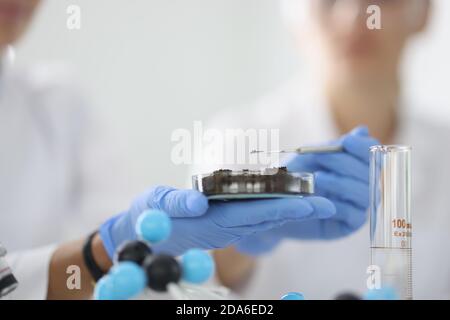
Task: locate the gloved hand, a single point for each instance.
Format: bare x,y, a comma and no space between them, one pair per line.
199,224
342,178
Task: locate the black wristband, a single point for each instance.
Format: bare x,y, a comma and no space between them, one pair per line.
89,260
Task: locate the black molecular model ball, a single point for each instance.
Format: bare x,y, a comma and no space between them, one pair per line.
135,251
347,296
161,270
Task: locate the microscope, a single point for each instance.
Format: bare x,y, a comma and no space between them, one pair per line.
7,280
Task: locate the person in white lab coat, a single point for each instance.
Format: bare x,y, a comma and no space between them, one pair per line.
359,83
53,182
47,174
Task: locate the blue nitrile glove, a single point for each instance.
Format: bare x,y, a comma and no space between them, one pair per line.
199,224
342,178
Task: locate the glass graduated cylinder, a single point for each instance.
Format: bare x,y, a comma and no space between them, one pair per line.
390,219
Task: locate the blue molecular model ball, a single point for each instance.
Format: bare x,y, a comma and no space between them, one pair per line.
293,296
153,226
104,289
197,265
126,280
386,293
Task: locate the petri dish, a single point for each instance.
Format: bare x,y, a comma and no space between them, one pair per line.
254,184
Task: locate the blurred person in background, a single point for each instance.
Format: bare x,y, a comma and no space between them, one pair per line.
357,82
56,184
59,176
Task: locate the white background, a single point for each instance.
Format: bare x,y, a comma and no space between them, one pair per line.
152,66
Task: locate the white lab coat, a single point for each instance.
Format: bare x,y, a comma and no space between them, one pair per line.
322,269
58,181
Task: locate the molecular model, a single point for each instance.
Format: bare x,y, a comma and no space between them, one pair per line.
137,269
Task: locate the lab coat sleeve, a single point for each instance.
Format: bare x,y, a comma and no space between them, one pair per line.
31,269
